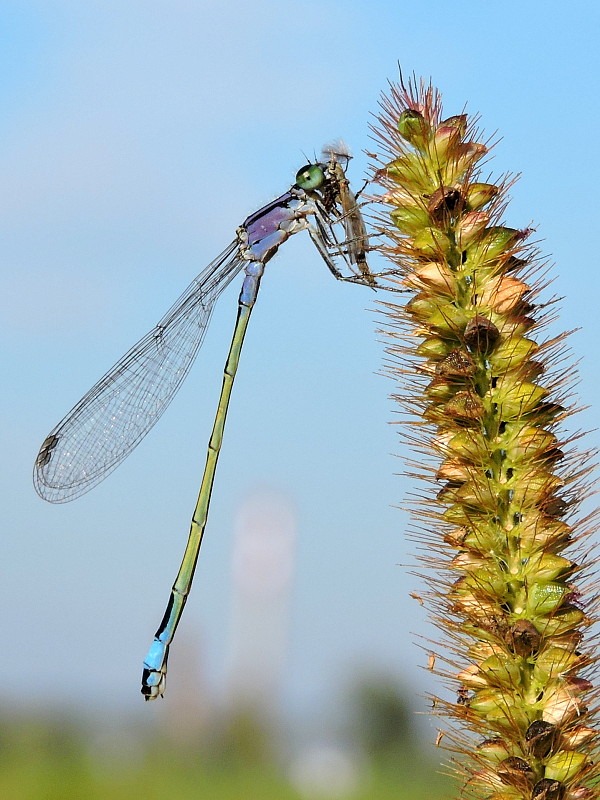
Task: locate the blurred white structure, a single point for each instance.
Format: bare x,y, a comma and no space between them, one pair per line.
263,568
325,772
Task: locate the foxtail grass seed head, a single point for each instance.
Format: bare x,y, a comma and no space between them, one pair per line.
486,394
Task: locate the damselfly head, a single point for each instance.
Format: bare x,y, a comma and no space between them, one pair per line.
314,175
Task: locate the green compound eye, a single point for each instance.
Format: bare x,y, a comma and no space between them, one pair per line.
310,177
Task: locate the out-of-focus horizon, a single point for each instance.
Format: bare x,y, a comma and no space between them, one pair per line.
135,138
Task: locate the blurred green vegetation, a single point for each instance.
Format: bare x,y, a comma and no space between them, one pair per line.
239,756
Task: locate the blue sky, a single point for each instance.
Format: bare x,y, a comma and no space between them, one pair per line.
134,139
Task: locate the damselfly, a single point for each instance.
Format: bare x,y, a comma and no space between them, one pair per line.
112,418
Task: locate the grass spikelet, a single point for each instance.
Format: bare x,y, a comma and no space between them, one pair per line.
505,549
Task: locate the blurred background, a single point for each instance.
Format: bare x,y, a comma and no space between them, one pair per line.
134,138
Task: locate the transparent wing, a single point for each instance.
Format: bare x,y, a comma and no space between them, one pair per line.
113,417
